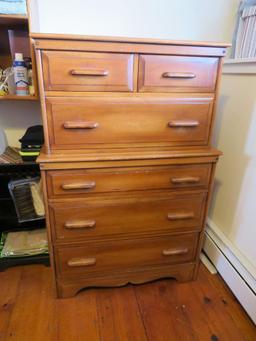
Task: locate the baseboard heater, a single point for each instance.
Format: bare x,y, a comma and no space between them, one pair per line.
232,268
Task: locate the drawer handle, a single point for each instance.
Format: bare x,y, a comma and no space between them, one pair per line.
180,216
174,252
76,262
80,125
188,179
186,75
185,123
82,185
79,224
89,72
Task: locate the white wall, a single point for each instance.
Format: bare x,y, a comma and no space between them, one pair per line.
233,208
15,117
172,19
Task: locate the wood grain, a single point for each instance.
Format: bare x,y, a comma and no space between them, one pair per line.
10,281
123,122
181,272
110,104
110,259
83,182
230,303
75,71
119,316
42,100
224,326
189,311
32,304
78,319
158,311
177,74
126,45
127,40
124,216
91,158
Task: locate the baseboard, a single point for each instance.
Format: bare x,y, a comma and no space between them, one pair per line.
235,269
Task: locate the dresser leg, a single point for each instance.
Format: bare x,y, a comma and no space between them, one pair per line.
199,249
67,290
186,275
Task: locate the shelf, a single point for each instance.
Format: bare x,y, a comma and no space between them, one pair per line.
21,163
8,262
13,19
240,61
18,98
14,37
242,66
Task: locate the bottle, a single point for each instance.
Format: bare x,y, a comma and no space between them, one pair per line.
30,80
20,75
28,63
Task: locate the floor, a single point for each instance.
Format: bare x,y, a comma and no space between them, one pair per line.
159,311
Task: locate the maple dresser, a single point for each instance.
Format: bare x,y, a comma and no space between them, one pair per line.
128,165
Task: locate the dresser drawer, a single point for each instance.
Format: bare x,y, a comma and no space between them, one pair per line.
177,74
102,122
119,256
83,182
85,71
127,215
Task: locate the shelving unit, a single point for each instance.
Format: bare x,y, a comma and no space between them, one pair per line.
6,263
8,218
18,98
13,19
20,26
13,171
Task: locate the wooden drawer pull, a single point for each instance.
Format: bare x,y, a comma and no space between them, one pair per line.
80,125
78,185
180,216
185,123
187,179
79,224
76,262
174,252
186,75
89,72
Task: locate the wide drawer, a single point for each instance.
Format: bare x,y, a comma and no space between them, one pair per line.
103,121
86,181
122,256
85,71
177,74
147,212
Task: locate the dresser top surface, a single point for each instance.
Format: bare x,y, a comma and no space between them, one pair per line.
94,155
109,39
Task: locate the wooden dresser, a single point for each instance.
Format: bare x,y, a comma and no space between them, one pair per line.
127,166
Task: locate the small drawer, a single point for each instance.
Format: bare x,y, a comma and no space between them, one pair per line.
177,74
85,71
83,182
101,122
142,213
120,256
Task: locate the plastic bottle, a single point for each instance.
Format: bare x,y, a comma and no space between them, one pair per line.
31,89
20,75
